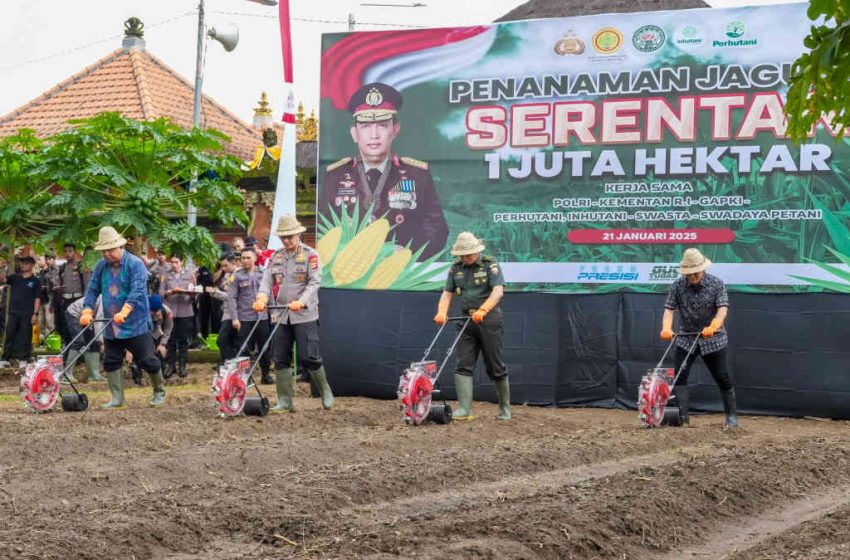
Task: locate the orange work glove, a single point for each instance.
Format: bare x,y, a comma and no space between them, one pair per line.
86,317
480,313
296,305
712,329
667,328
121,316
442,312
260,303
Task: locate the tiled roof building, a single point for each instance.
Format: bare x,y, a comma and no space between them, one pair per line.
136,84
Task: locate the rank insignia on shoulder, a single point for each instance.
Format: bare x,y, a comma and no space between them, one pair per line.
414,162
314,261
494,269
337,164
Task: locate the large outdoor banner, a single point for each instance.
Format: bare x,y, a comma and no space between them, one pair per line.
586,152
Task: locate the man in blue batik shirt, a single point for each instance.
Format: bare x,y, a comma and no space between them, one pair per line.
120,278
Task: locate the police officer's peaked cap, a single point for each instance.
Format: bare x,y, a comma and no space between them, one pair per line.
374,102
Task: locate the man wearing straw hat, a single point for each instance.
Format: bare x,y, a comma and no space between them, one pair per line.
702,303
477,281
292,279
120,278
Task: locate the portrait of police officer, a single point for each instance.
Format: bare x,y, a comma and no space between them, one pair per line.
400,188
478,283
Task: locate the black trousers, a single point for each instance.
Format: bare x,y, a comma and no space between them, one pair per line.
141,347
181,336
484,339
255,344
60,305
306,336
204,311
228,341
18,344
716,362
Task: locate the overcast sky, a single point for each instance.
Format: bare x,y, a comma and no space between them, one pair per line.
45,41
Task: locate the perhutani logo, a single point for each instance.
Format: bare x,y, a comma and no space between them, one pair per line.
607,40
663,273
648,38
687,37
735,31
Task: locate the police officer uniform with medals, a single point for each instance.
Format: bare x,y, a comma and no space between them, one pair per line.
292,278
399,187
478,283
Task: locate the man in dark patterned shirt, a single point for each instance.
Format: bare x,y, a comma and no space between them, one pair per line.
702,303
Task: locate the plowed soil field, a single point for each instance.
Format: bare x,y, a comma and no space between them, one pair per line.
355,482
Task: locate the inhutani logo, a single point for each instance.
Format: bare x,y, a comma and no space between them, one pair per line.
649,38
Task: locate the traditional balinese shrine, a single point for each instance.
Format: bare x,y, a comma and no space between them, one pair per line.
133,82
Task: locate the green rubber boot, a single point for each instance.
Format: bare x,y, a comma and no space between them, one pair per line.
93,366
463,388
503,388
283,380
321,379
115,379
73,358
158,384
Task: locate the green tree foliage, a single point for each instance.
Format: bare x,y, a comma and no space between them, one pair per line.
24,192
820,82
135,176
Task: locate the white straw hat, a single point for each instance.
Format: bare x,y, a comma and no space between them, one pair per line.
289,225
693,261
467,244
108,238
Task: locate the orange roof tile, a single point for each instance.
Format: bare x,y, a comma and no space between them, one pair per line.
137,85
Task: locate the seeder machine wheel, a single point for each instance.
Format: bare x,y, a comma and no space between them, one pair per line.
75,403
440,414
256,406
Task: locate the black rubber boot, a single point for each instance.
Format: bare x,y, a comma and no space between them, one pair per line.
730,407
267,378
683,401
168,370
181,367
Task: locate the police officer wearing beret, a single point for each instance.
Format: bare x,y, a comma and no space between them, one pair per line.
400,187
477,281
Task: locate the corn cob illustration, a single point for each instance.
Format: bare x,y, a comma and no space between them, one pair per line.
328,245
389,270
359,254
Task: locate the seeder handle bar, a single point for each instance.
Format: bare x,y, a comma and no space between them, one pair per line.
82,331
439,332
68,367
452,349
266,347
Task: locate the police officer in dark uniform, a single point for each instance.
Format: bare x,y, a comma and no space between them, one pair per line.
477,281
400,187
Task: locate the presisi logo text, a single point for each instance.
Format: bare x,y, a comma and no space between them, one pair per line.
608,276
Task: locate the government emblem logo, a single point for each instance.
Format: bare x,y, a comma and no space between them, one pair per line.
374,98
570,44
648,38
607,40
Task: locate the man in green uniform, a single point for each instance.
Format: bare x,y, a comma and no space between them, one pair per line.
477,281
400,188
